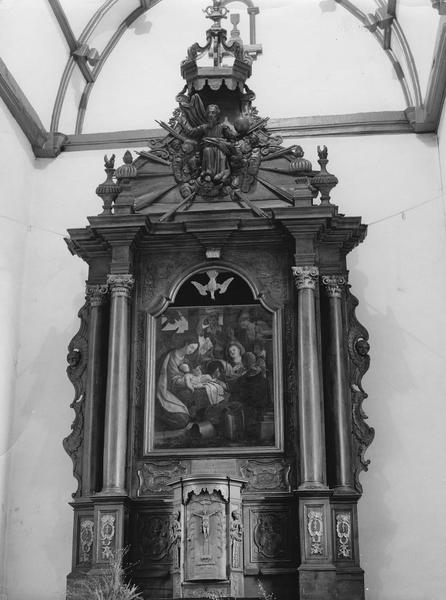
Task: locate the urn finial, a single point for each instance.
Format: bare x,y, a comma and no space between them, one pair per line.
324,181
108,190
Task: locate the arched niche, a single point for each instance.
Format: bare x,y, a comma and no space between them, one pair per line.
213,376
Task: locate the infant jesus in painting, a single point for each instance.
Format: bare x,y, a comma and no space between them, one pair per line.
214,387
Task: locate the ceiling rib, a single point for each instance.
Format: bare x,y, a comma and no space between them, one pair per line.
144,7
411,96
68,71
407,52
73,44
20,108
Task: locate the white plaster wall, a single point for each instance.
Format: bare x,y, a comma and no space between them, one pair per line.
16,169
40,519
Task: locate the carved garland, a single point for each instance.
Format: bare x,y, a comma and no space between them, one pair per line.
343,535
86,541
315,527
107,534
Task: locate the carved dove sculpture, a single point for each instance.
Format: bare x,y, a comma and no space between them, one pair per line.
212,287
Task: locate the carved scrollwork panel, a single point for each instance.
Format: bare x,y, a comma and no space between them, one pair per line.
77,374
359,361
154,476
264,474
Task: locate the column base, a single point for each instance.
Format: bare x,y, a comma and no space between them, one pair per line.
311,486
316,583
350,584
344,490
112,492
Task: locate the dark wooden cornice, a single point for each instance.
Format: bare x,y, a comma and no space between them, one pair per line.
320,223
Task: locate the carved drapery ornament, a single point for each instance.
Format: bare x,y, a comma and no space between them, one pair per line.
305,278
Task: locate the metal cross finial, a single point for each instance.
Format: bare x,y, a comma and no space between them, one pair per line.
217,12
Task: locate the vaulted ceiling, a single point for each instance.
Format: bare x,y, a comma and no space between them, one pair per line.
90,73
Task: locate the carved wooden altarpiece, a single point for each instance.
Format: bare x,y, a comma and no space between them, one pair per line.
218,431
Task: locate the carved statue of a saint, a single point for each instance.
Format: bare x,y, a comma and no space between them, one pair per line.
236,535
175,540
216,138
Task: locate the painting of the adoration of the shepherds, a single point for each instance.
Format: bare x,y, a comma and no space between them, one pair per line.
214,377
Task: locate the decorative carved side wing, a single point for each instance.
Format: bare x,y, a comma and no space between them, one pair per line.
77,374
359,361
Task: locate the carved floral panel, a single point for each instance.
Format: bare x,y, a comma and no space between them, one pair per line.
315,533
343,524
85,540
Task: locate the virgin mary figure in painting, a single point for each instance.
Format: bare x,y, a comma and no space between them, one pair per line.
173,393
184,392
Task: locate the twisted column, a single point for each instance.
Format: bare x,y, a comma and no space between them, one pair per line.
339,405
115,434
311,421
97,296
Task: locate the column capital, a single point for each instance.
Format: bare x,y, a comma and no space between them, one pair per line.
121,285
334,284
305,277
96,294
